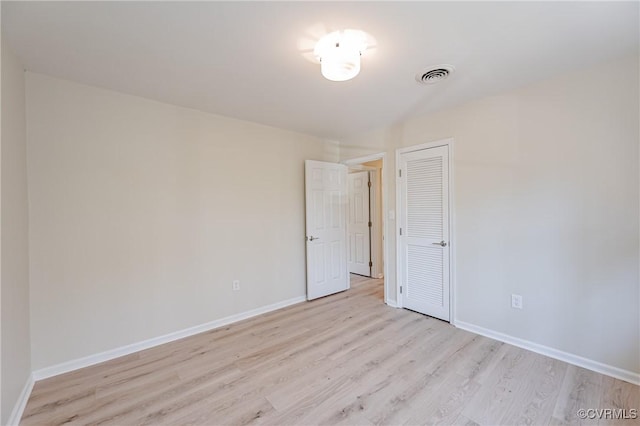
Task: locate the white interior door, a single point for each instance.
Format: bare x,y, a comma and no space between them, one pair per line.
424,224
326,227
359,224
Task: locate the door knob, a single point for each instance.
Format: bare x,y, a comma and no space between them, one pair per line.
311,238
441,243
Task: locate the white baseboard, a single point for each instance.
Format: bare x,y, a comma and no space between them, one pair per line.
76,364
609,370
21,403
391,303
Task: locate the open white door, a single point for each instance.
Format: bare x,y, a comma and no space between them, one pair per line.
326,226
359,224
424,227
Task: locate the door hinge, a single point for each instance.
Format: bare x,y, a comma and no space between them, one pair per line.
369,184
399,172
370,264
400,231
400,289
370,224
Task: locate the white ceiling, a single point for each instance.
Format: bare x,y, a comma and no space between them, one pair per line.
248,59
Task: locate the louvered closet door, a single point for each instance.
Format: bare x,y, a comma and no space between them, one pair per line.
425,231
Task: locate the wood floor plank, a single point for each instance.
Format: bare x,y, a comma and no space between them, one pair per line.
345,359
463,421
502,388
581,389
444,403
622,397
538,395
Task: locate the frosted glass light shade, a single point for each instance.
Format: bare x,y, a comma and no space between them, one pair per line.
339,54
340,64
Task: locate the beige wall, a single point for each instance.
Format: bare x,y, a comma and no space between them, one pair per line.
16,352
142,214
546,206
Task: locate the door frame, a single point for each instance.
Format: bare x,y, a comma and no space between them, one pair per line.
449,143
386,249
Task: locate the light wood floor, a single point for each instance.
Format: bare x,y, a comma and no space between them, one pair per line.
343,359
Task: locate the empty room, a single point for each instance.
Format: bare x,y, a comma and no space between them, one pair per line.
319,213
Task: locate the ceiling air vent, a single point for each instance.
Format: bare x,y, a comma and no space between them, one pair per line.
435,74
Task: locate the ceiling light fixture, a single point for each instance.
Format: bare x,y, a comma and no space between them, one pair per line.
339,54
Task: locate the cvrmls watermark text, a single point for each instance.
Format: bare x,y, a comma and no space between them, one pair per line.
608,413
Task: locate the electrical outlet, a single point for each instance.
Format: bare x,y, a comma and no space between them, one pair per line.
236,285
516,301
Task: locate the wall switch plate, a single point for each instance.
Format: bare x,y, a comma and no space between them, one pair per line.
236,285
516,301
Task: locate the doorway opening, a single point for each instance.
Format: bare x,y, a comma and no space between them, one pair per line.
366,247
